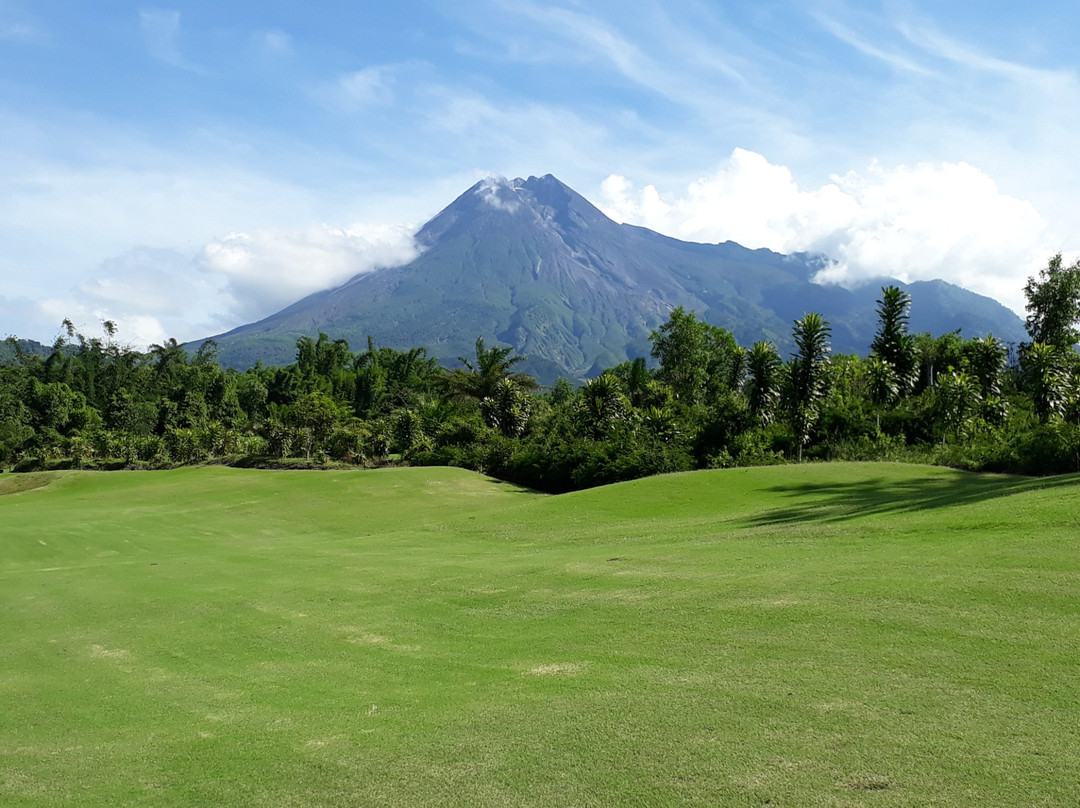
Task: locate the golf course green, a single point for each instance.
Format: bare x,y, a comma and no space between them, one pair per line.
803,635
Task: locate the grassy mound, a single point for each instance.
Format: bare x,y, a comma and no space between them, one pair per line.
825,635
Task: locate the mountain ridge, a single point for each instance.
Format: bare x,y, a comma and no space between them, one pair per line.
533,264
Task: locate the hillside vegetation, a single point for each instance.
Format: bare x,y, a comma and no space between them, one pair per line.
708,402
813,635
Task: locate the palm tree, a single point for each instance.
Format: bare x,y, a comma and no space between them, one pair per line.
881,381
481,379
1046,378
508,409
806,378
763,389
956,400
893,344
603,406
987,358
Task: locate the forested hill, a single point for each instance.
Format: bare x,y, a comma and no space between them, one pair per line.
534,265
10,349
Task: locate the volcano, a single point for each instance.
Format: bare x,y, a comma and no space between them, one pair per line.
532,264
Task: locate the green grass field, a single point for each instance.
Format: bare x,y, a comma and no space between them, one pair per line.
818,635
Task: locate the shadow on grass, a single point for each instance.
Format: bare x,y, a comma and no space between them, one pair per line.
518,488
831,502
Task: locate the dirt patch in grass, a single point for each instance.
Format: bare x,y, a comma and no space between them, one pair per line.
558,669
869,782
100,652
358,636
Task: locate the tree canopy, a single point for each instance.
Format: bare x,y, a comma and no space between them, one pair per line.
1053,304
703,402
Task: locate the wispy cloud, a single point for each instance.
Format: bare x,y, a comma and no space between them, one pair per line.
684,76
520,136
274,42
595,39
18,25
895,60
942,46
161,35
360,88
19,31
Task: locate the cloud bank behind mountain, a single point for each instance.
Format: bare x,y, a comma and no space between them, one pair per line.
944,221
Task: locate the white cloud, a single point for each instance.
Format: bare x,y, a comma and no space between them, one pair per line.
105,209
156,280
748,200
947,221
138,331
75,221
496,192
266,270
154,294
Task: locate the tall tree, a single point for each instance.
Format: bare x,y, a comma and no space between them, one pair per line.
697,360
1046,378
956,398
763,389
1053,304
507,409
315,415
936,355
603,407
371,377
679,346
892,343
637,381
881,382
806,377
987,360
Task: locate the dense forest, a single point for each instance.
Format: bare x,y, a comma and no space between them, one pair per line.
704,402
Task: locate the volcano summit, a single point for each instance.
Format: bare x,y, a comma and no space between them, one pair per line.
533,264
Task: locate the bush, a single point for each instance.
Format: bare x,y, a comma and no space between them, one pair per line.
1052,448
347,443
756,447
583,463
877,446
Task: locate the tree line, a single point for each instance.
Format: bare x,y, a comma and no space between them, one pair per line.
703,402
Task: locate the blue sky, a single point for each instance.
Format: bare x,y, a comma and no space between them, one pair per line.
186,167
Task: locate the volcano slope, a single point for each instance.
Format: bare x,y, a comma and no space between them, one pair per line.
532,264
809,635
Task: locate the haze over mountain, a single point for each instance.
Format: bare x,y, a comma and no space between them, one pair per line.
533,264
